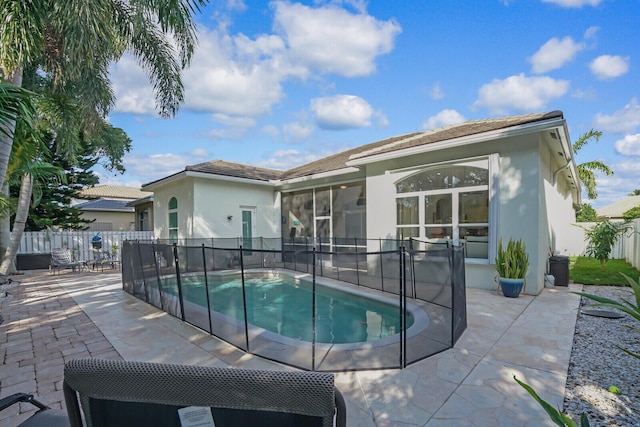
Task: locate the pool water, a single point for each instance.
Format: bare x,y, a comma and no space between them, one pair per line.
283,305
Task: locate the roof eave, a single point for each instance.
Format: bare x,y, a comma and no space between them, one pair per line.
329,174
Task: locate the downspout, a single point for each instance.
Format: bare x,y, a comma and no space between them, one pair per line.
555,174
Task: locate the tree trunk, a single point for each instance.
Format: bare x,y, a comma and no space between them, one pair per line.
6,142
22,213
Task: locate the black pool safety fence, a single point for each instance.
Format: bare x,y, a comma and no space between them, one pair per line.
327,305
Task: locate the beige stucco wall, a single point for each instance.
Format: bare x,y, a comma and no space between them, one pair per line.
204,206
120,221
526,198
182,190
214,201
530,205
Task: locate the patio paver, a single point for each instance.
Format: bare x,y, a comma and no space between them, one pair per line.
52,319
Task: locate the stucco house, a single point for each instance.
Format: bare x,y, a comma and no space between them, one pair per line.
471,183
109,207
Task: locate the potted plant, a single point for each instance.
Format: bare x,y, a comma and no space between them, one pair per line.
512,263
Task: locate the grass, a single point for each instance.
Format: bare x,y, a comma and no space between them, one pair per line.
588,271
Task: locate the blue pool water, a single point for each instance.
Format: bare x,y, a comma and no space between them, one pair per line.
283,305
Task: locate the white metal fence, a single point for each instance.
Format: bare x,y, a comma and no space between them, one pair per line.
41,242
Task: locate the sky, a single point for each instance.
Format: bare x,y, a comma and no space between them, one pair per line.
277,84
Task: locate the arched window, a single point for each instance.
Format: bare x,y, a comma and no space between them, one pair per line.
173,220
447,202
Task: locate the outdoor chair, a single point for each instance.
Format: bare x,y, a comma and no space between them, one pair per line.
125,393
62,258
45,417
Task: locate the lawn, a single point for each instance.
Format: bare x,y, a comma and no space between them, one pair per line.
588,271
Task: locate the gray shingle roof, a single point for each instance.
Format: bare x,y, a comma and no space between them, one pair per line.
237,170
339,160
105,205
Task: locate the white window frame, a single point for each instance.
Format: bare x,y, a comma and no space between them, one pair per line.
492,187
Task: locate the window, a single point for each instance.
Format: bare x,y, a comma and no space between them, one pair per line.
173,220
447,202
336,212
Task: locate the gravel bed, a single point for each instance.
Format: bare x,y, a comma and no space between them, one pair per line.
597,363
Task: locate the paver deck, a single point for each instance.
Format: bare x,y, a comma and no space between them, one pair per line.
52,319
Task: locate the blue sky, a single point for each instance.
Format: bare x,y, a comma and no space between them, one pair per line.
277,84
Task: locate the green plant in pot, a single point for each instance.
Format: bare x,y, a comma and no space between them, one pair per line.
512,263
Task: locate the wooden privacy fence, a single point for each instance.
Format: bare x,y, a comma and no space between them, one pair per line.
41,242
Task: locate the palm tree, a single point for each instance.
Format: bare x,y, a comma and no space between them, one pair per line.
73,43
586,170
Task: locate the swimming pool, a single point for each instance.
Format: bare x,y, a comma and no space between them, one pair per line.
283,305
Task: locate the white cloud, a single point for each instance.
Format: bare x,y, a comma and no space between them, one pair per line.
150,167
614,187
520,92
629,145
286,159
591,32
271,130
554,54
607,67
332,40
436,92
235,75
131,87
297,131
443,118
574,3
341,112
625,120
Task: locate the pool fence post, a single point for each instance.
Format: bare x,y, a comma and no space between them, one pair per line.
355,242
401,253
144,280
213,255
244,301
313,315
178,281
404,307
206,286
156,263
381,269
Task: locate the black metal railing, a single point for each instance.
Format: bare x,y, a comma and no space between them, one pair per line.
215,289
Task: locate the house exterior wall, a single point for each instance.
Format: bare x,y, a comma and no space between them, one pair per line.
215,201
110,221
527,202
525,195
183,191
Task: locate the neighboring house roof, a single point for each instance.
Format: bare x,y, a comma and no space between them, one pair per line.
109,205
114,192
617,209
368,152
